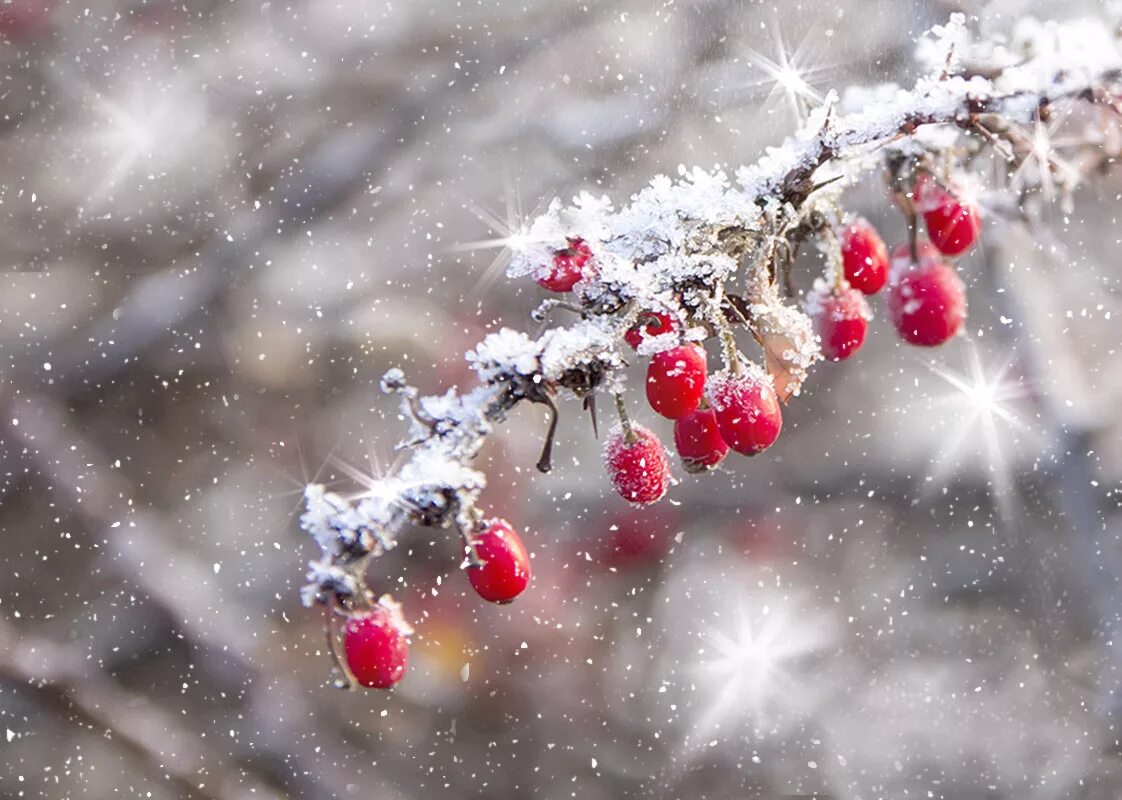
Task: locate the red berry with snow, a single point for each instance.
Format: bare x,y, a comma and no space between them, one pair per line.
567,268
747,409
698,440
841,319
505,570
637,465
652,323
864,257
676,380
953,223
926,300
376,646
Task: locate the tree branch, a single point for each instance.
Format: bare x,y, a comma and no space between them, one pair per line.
677,247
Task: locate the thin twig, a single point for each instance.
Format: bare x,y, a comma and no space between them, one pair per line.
64,672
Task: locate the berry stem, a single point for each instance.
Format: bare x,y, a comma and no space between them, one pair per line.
625,421
835,254
346,679
469,520
913,235
729,352
728,348
545,462
788,271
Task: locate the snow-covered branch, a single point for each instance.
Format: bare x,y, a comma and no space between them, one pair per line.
707,253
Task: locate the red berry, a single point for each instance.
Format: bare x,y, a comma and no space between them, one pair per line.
567,268
841,318
676,380
23,19
639,469
506,567
698,440
636,537
864,257
652,323
747,409
376,646
927,301
953,223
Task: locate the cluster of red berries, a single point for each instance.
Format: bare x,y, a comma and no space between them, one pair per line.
734,409
375,640
738,409
926,299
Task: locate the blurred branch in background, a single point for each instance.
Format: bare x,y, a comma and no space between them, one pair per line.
139,547
98,703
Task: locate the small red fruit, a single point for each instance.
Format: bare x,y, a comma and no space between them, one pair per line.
505,571
636,537
24,19
639,469
841,319
698,440
676,380
953,223
376,646
747,409
926,300
567,268
864,257
652,323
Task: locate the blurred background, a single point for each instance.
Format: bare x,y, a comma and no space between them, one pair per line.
221,222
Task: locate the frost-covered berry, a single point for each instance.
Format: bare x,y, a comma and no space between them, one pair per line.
864,257
698,440
376,646
953,222
652,323
567,268
505,568
841,319
676,380
926,300
747,409
638,467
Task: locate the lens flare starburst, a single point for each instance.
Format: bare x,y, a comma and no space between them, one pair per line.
750,667
511,233
979,407
789,77
1041,164
141,130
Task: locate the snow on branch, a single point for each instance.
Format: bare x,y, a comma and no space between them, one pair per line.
710,252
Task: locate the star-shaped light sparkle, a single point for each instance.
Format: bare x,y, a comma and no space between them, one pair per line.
980,413
790,75
511,232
